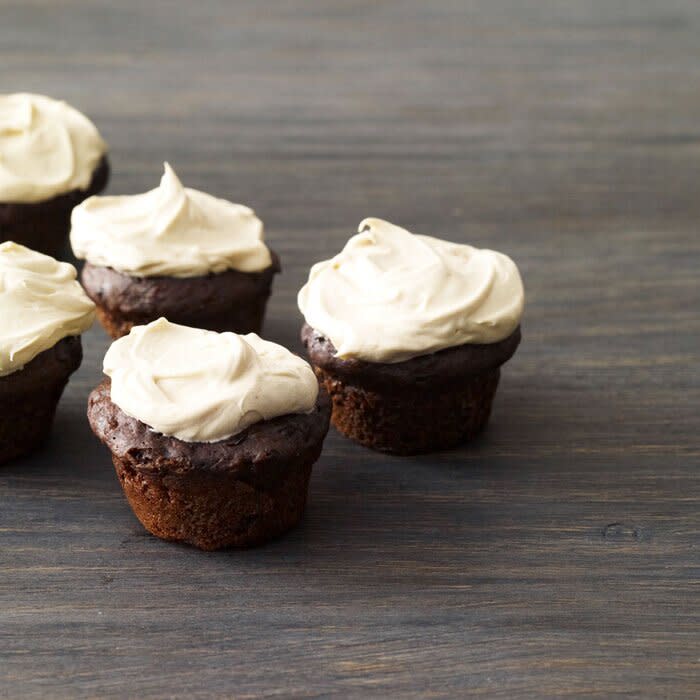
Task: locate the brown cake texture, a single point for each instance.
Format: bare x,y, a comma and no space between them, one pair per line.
29,396
44,226
238,492
225,301
430,402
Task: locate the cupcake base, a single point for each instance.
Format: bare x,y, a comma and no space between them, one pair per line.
212,511
226,301
238,492
28,398
430,402
406,422
44,226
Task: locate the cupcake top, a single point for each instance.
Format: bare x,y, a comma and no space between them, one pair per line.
171,230
40,303
47,148
203,386
390,295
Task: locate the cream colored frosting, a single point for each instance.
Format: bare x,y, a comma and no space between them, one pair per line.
203,386
40,303
47,148
171,230
391,295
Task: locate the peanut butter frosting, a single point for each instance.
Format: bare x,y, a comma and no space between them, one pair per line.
391,295
47,148
202,386
171,230
40,303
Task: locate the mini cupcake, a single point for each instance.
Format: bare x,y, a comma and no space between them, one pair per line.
173,252
44,310
51,158
407,333
213,435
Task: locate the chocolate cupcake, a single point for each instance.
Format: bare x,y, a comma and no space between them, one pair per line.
408,333
51,158
44,310
173,252
213,435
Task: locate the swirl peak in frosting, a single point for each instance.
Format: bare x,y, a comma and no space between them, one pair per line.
202,386
171,230
391,295
47,148
41,303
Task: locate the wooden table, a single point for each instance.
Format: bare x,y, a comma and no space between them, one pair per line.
560,554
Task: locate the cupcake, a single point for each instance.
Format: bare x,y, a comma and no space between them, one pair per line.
213,435
173,252
408,333
51,158
44,310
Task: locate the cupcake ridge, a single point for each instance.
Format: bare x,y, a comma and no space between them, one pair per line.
171,230
391,295
47,148
202,386
41,303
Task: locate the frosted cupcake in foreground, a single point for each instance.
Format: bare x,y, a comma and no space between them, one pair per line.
213,435
408,333
173,252
51,158
43,311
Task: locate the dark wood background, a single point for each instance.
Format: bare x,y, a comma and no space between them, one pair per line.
560,555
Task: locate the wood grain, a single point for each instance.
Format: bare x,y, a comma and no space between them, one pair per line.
558,556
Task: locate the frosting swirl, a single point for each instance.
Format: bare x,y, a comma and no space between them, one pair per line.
202,386
390,295
47,148
171,230
41,303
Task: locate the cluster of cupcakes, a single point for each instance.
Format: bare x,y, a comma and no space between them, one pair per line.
213,431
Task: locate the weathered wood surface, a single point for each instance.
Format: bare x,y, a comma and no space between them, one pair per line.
558,556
